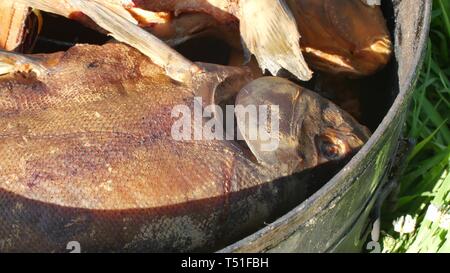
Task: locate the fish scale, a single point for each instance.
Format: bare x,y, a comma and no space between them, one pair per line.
75,169
104,170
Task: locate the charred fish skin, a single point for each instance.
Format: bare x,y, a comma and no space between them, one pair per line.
87,155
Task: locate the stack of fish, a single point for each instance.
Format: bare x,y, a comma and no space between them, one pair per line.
87,143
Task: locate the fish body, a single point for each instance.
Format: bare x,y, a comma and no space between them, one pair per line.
347,37
340,37
88,156
344,37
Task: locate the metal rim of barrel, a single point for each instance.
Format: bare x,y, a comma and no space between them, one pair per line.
395,117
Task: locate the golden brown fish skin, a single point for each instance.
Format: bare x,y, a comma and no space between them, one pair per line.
193,25
342,36
337,36
19,27
87,155
119,96
225,11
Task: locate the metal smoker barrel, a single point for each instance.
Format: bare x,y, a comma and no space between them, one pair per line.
340,216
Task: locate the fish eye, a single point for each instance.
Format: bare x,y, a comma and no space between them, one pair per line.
330,148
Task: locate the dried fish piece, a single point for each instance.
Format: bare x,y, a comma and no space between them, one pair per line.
269,31
111,18
274,42
87,148
19,26
342,36
11,62
346,37
312,130
337,36
189,26
267,27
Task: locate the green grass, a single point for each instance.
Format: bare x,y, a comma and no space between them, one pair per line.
426,180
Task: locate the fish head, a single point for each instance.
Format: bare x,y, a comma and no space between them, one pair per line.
311,129
324,131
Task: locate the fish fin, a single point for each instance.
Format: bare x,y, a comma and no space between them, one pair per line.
11,62
6,68
219,82
269,31
120,10
124,29
176,66
218,85
265,112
